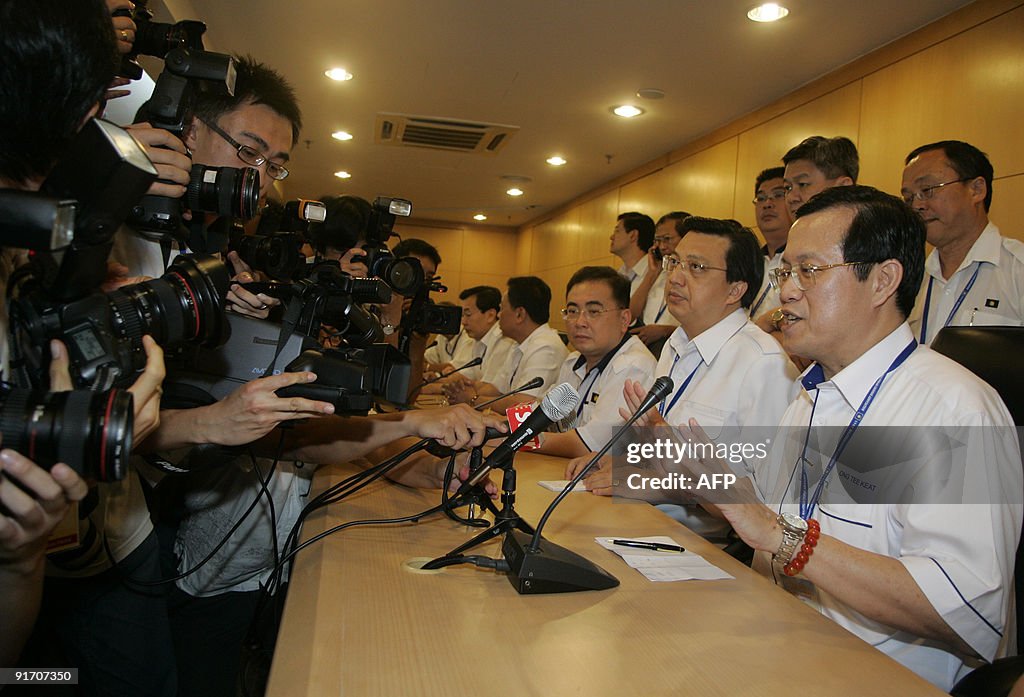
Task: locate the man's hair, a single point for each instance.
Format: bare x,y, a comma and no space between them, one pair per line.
743,259
57,58
768,174
674,215
345,224
256,84
487,297
533,295
965,159
644,226
618,283
835,157
420,248
883,228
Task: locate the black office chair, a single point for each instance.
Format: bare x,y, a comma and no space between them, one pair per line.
996,355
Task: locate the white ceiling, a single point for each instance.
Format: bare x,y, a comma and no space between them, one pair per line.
551,67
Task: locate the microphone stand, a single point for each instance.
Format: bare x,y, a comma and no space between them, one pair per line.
506,520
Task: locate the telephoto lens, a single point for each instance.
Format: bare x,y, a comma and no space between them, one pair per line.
186,304
91,432
230,191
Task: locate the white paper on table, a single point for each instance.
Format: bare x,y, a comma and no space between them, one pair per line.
665,565
559,484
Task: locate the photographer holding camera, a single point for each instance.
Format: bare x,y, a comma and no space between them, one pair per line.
57,59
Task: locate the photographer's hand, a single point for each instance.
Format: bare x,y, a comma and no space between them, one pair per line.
60,367
358,269
168,153
124,26
146,391
242,301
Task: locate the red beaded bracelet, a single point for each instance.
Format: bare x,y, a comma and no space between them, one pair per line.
800,559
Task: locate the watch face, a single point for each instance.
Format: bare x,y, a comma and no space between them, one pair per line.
794,522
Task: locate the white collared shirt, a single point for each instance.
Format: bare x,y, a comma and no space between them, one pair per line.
656,310
601,390
456,350
767,297
742,378
635,273
494,348
538,355
960,555
995,299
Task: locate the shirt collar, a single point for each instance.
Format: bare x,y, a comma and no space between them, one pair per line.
986,248
710,341
855,380
492,336
534,337
580,366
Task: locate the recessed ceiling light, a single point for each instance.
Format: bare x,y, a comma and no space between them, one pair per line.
556,161
339,74
514,192
627,111
342,175
479,216
341,135
768,12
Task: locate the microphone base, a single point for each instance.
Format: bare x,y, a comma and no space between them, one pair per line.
551,569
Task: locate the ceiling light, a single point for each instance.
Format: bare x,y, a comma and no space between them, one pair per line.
514,192
339,74
768,12
479,216
556,161
627,111
341,135
342,175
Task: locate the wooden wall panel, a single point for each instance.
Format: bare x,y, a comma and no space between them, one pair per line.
597,220
970,87
834,114
1008,206
556,241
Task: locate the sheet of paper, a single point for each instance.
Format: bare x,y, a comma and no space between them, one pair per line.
664,565
559,484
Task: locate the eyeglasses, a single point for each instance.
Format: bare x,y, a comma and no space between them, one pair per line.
666,238
693,268
572,314
928,192
775,195
249,155
804,275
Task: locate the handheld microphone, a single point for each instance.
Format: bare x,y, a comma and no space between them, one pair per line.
556,569
556,405
472,364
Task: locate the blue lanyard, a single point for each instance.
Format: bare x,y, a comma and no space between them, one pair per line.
956,306
662,409
660,312
760,300
807,506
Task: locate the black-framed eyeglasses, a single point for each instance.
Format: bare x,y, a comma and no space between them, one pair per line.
928,192
804,275
249,155
775,195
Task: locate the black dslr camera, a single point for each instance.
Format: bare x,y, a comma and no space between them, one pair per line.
405,275
156,38
276,248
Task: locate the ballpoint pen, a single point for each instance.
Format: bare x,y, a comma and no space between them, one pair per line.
656,546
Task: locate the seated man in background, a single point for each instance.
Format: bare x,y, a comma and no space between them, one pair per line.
538,352
773,220
597,318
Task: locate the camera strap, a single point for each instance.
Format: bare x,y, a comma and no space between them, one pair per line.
292,312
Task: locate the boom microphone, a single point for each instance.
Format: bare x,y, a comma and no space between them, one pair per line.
531,385
472,364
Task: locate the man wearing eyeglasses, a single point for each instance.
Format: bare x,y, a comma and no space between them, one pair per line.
648,301
975,276
728,374
597,317
892,541
773,220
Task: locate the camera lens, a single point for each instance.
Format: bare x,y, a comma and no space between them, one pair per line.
154,38
404,275
91,432
224,190
186,304
279,256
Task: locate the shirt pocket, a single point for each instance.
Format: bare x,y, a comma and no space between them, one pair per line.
988,318
712,420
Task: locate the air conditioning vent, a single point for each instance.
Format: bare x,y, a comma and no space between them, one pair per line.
441,134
